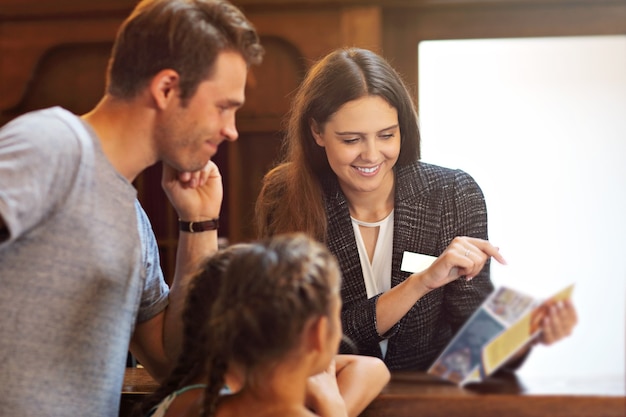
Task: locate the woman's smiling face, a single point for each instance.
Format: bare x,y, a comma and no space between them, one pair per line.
362,144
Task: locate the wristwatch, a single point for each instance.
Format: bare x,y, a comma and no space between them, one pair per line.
203,226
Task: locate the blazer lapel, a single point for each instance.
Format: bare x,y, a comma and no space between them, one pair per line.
417,218
342,243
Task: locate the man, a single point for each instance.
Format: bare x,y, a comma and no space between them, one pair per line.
79,284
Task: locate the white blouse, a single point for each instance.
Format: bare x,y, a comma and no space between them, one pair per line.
377,274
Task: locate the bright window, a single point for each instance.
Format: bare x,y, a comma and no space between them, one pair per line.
540,123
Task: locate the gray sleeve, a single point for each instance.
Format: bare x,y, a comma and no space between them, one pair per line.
155,293
39,159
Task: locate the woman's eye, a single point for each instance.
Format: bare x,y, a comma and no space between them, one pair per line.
387,136
352,140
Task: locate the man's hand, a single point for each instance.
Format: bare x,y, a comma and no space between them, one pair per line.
196,196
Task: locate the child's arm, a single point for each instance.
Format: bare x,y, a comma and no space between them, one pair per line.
360,380
323,395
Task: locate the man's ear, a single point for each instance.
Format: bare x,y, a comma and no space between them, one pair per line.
164,88
316,132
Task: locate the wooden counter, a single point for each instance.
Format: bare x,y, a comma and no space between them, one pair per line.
506,395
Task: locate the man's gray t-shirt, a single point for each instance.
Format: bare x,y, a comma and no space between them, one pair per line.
75,277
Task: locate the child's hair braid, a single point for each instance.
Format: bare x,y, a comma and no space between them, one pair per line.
202,293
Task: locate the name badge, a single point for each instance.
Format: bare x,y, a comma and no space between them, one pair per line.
416,262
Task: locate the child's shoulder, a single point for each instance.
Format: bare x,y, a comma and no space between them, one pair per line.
185,402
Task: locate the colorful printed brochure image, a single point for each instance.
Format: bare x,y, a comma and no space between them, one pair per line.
501,326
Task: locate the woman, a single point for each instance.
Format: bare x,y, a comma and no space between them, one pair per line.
352,178
247,338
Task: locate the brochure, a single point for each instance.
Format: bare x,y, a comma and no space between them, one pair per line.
498,329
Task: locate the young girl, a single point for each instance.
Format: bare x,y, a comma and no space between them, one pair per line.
263,320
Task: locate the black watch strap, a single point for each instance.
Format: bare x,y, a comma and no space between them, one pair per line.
193,227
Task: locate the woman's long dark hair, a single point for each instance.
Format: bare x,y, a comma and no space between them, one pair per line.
291,198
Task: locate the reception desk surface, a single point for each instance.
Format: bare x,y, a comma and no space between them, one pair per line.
505,395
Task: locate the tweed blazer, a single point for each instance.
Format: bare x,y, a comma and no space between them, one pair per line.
432,206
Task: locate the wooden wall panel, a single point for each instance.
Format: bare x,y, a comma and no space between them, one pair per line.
54,52
26,46
68,75
268,96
